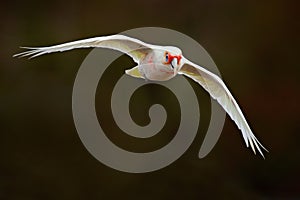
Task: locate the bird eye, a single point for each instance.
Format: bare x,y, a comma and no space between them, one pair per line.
167,57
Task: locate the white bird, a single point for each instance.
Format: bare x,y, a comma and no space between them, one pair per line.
160,63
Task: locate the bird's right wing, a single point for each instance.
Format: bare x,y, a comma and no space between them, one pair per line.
218,90
131,46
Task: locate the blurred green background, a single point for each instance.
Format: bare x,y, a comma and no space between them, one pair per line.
255,46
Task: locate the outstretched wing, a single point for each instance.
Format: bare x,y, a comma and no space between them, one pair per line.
131,46
218,90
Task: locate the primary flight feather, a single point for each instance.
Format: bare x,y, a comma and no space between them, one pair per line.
160,63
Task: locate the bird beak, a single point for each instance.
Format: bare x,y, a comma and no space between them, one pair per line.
174,64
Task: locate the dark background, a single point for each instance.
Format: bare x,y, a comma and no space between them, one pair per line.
255,46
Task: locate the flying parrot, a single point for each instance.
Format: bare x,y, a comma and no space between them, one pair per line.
161,63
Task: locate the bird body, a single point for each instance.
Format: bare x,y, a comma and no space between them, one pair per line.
161,63
151,68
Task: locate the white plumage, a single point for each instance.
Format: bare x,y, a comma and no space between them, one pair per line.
161,63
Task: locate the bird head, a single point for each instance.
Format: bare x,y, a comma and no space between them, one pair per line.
172,60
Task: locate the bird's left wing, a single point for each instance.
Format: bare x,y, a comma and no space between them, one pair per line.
131,46
218,90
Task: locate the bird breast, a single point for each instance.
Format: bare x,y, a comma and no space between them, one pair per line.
153,68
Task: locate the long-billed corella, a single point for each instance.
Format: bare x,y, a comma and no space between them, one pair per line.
160,63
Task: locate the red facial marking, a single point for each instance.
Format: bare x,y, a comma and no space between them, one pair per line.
150,59
150,62
171,57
